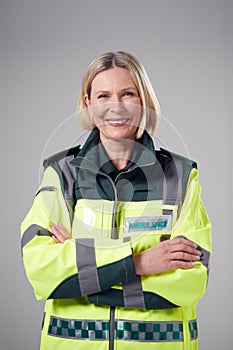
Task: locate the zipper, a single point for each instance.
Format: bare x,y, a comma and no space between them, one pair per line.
115,236
114,233
111,328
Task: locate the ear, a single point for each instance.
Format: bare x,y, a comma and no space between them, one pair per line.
86,100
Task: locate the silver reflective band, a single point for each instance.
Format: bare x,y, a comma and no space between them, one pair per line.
148,223
87,268
133,293
172,184
46,189
68,174
79,329
31,232
129,330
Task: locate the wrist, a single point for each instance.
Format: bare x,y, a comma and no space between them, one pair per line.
137,259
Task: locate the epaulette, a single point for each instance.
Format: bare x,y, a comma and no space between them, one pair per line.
177,169
175,156
60,155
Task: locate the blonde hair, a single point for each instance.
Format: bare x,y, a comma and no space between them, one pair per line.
151,108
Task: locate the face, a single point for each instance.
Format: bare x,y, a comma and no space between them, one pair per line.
115,104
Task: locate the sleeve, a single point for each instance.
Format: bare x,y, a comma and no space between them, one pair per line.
75,268
176,287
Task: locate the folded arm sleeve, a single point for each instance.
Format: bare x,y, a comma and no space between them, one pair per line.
75,268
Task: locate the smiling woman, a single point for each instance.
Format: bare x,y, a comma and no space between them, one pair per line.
117,104
128,83
117,240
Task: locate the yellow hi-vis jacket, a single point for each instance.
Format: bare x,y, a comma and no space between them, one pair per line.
94,299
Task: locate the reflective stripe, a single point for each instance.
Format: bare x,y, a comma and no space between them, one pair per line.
205,256
78,329
133,293
132,290
45,189
124,330
87,268
31,232
167,212
193,329
126,239
150,331
68,180
172,184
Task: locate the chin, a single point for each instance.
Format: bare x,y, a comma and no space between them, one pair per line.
118,133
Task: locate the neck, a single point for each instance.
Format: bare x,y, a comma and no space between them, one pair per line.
119,151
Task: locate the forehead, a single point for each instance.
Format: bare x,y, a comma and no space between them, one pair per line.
113,77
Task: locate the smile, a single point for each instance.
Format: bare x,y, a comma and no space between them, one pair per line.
116,122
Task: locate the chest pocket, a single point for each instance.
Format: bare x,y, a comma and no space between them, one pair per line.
92,219
146,223
150,220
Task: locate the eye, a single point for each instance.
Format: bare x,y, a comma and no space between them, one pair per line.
102,96
128,93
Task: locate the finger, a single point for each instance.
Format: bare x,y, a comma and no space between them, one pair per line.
59,228
179,264
184,245
186,249
64,231
58,238
58,234
184,256
55,239
185,241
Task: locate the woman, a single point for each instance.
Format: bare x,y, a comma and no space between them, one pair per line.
117,240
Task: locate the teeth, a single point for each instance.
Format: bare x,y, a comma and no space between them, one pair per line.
123,121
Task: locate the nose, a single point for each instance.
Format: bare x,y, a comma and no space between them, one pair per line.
116,105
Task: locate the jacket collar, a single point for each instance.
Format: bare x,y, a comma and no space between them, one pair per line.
92,155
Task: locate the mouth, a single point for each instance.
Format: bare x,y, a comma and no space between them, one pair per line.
116,122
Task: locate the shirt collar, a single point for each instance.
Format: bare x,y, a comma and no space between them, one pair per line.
93,156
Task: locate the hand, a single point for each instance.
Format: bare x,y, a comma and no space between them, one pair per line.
60,233
167,255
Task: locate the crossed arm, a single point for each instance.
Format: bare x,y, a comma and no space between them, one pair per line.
167,255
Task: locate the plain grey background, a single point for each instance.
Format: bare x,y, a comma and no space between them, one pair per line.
46,45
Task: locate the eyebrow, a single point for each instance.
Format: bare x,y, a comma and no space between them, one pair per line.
122,90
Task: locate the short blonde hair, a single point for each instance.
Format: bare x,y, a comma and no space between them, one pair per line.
151,108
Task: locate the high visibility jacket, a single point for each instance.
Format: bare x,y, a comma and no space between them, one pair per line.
94,299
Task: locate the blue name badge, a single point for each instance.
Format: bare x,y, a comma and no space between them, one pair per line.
148,223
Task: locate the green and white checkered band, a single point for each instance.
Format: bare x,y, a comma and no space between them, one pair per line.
193,329
124,330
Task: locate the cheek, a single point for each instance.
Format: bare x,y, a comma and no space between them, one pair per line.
97,113
135,110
